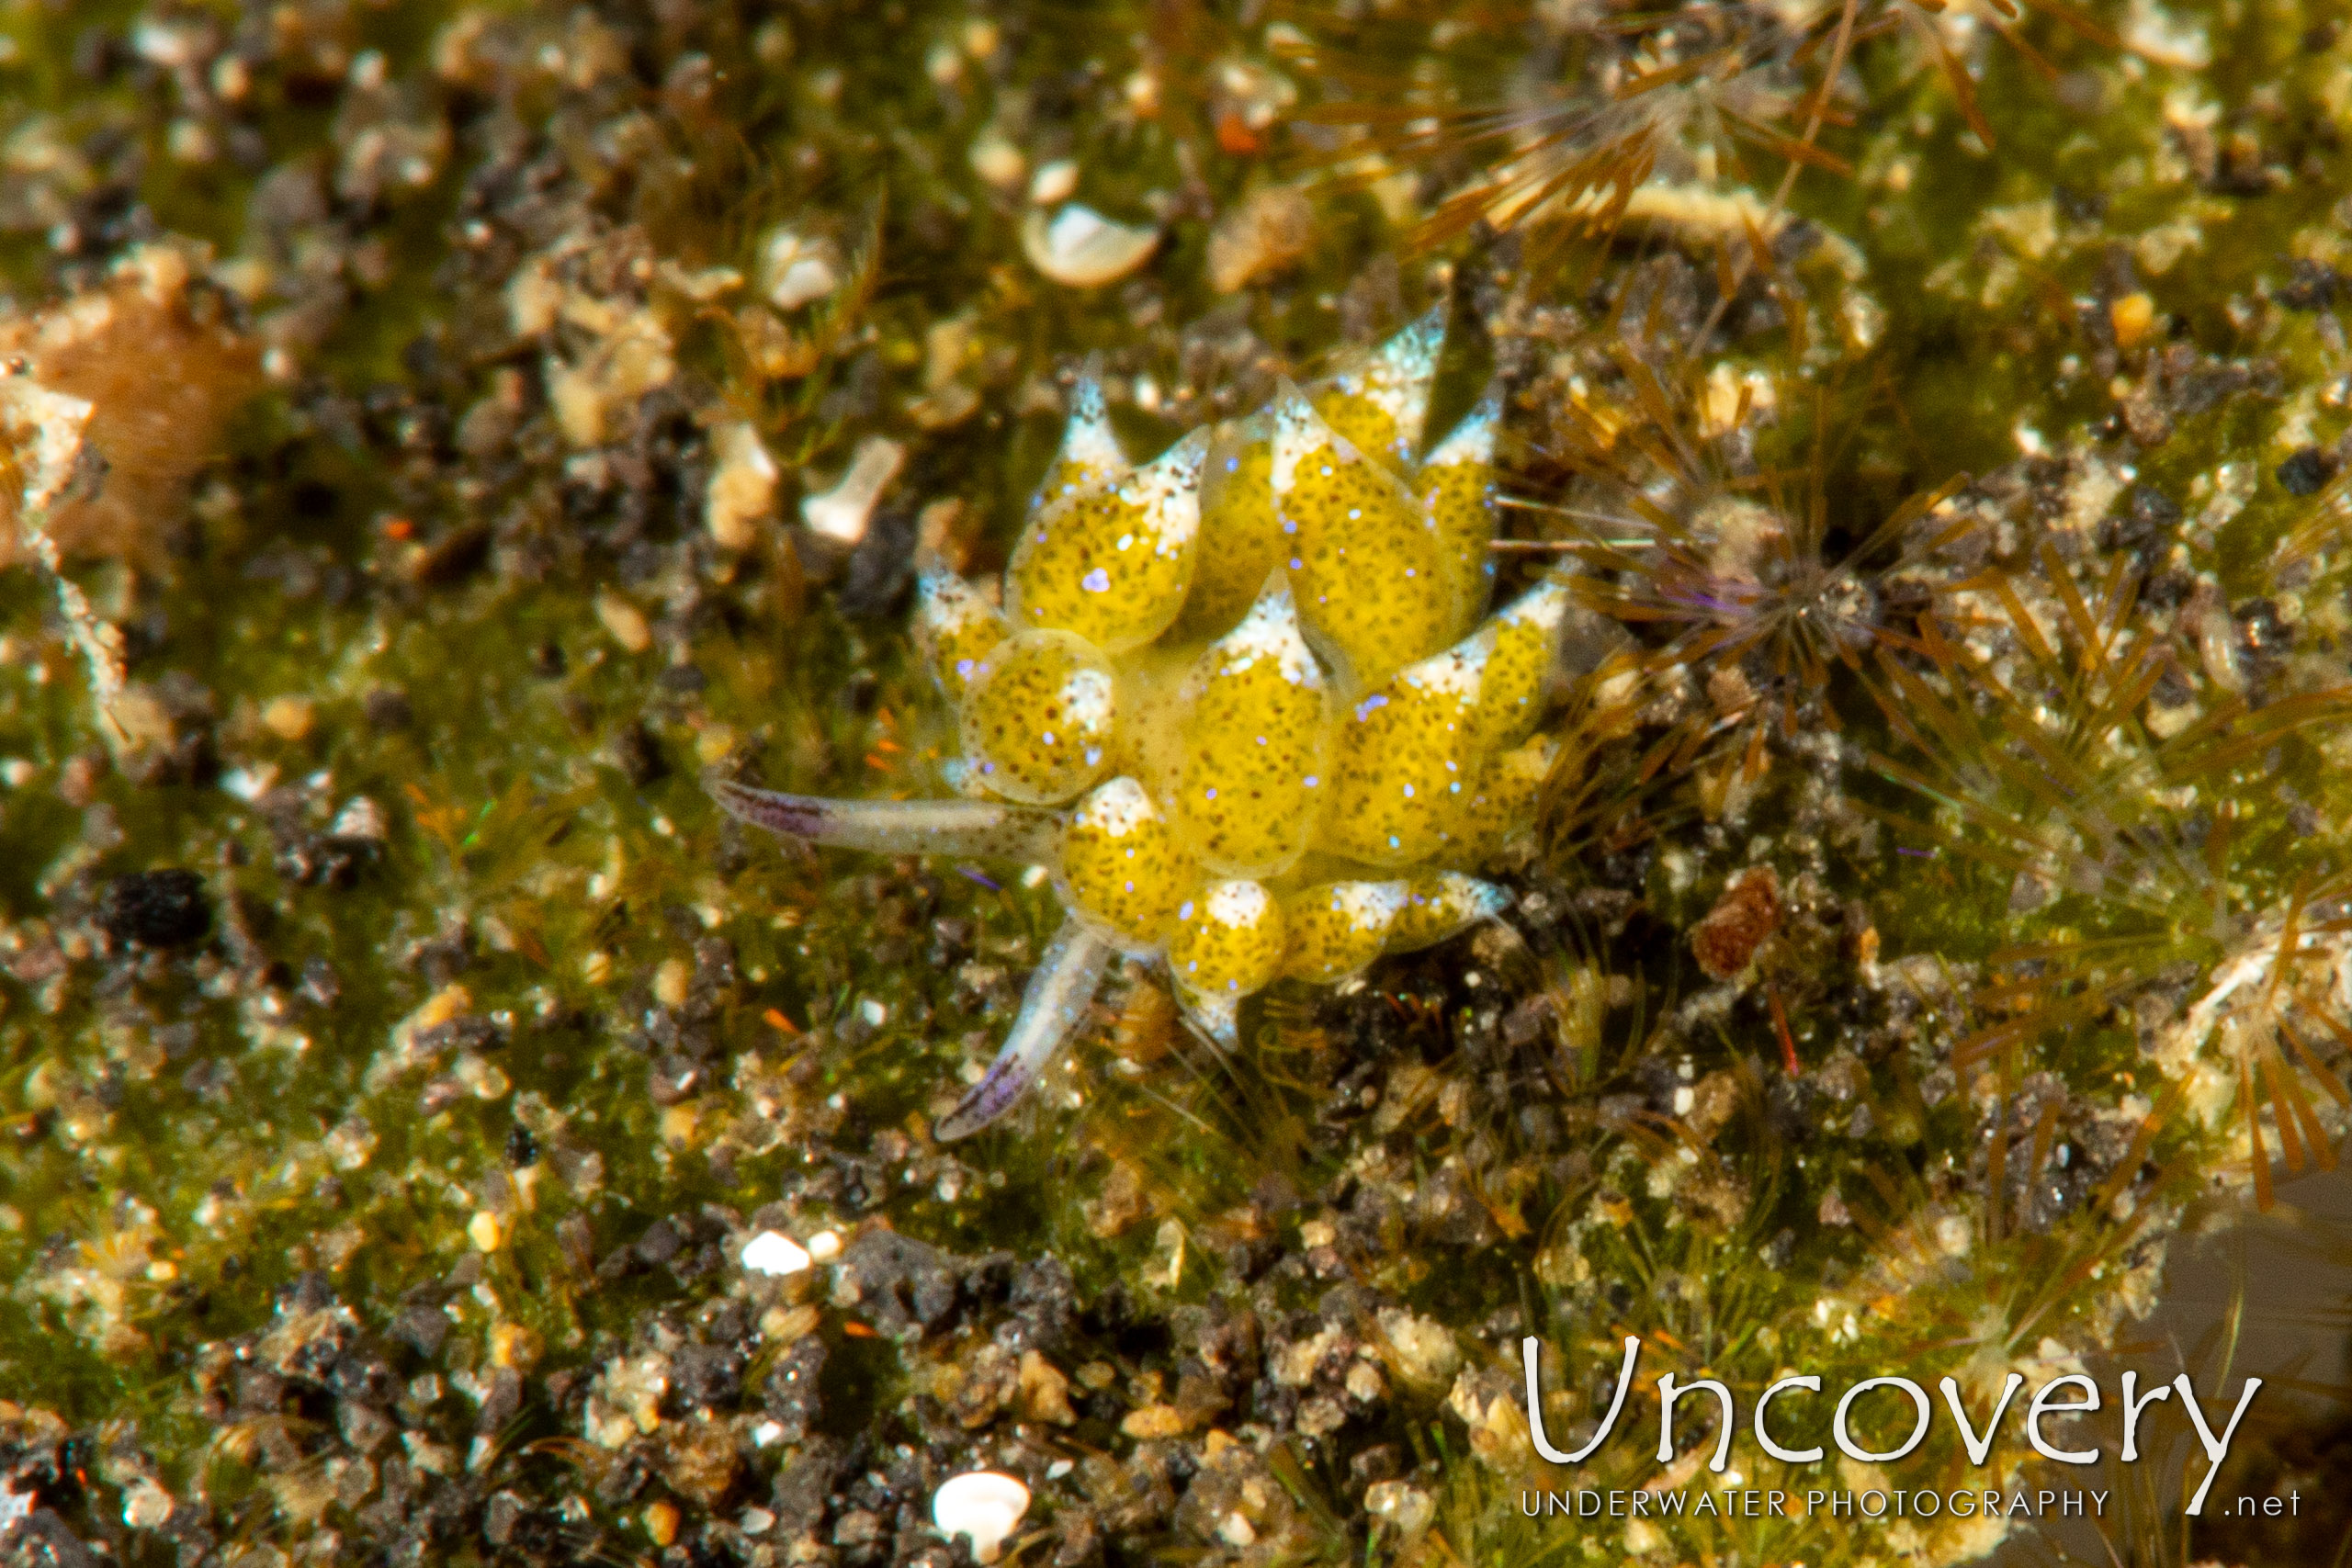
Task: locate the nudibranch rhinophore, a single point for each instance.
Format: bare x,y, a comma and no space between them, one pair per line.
1239,700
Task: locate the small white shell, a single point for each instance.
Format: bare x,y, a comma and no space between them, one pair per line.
842,513
982,1505
775,1253
1080,247
1057,181
998,161
742,486
794,270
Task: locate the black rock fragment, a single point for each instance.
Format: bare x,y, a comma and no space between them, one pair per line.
155,908
2306,472
905,1286
639,755
790,1397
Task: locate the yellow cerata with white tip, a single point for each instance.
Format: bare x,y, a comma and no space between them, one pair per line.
1237,700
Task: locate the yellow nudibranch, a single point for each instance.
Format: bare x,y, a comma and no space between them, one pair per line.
1235,703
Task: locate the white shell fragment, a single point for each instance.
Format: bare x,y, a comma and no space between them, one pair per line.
980,1504
1080,247
794,270
1057,181
775,1253
742,488
842,511
998,161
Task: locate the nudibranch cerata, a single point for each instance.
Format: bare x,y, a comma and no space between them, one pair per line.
1238,700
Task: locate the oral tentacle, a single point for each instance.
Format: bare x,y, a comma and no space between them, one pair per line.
981,829
1052,1008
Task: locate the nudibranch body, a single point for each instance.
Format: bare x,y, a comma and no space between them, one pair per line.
1237,700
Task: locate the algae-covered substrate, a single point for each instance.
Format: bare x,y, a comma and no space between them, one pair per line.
439,447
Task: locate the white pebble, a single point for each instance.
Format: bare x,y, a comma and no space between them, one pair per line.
1080,247
825,1245
767,1434
794,270
1057,181
998,161
842,513
980,1504
360,819
742,486
772,1252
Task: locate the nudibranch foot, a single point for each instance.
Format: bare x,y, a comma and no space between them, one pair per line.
980,829
1052,1008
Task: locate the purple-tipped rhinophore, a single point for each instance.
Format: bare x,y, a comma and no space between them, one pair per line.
1052,1008
1063,986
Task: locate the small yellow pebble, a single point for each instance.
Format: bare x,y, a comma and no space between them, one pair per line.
782,1326
514,1345
485,1231
289,719
2134,317
450,1002
662,1521
1154,1421
671,980
626,622
714,744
